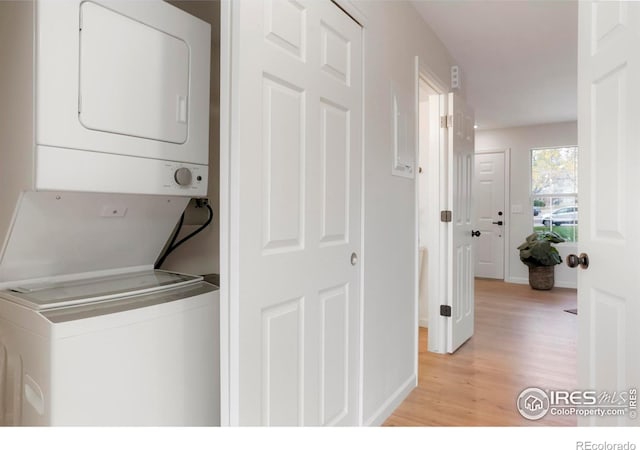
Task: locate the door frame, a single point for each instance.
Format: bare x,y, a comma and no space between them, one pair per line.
225,206
353,11
229,245
506,261
437,340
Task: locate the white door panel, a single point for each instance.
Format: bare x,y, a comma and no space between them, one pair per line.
461,260
297,133
608,290
488,198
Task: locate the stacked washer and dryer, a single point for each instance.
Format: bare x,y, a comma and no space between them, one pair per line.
103,141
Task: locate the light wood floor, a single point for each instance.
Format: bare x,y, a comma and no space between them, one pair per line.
522,338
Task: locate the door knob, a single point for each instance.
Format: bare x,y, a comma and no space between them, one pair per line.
475,233
499,222
575,261
354,258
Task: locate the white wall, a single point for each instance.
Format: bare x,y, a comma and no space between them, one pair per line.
201,255
394,35
16,113
520,140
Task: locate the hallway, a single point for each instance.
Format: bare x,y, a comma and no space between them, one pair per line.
523,338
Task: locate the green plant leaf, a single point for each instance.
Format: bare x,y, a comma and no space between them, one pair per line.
538,251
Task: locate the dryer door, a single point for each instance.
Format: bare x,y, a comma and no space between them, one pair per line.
134,79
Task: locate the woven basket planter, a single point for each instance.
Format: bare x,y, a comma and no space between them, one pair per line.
541,277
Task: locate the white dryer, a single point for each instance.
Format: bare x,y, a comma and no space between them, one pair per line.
138,348
122,93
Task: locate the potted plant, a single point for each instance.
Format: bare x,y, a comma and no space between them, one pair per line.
541,257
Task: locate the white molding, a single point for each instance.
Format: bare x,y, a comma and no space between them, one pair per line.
553,147
436,326
229,191
225,203
565,284
506,273
363,23
434,80
416,199
491,150
390,405
517,280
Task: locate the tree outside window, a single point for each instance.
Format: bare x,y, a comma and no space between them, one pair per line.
554,190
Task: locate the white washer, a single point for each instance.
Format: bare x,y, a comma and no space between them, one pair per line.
139,348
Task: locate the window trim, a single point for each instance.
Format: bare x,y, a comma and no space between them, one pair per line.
531,196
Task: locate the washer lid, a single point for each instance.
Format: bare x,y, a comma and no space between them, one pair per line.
40,296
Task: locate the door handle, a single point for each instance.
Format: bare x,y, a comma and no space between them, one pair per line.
499,222
354,258
575,261
475,233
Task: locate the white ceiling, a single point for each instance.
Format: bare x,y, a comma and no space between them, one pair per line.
518,58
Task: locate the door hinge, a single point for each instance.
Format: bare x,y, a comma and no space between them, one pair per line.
445,310
443,121
446,216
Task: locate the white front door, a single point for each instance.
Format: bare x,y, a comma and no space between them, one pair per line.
296,149
488,200
460,252
609,162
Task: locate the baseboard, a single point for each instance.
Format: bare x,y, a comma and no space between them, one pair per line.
424,323
566,284
392,403
560,284
518,280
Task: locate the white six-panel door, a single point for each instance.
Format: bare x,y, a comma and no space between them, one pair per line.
609,152
461,261
488,201
296,130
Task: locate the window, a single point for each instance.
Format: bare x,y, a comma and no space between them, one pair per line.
554,190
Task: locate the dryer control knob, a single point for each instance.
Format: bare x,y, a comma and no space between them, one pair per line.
183,176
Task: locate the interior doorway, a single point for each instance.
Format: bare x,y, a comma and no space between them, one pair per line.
430,233
428,137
